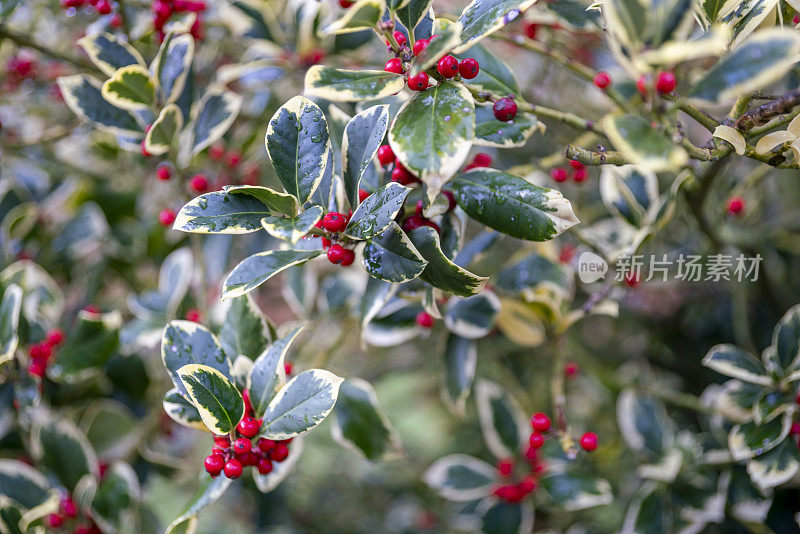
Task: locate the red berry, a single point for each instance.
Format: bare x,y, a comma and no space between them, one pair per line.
641,85
576,165
336,254
402,176
540,422
414,222
55,520
348,258
287,368
334,222
447,66
419,46
144,151
326,243
451,200
193,315
419,82
199,183
116,21
394,65
559,174
214,464
344,4
400,37
602,80
233,158
468,68
795,428
248,427
796,19
41,351
279,453
248,458
526,485
508,493
166,217
163,173
103,7
665,82
265,445
54,337
481,159
37,368
530,30
735,205
362,195
67,506
264,466
242,446
424,319
385,155
797,398
505,109
579,175
536,440
571,369
197,29
589,441
531,454
505,467
216,151
233,468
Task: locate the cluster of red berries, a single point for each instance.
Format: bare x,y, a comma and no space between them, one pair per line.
400,174
334,223
102,7
665,83
232,457
735,206
579,172
42,353
67,512
164,9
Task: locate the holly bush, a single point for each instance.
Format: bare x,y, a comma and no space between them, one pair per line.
454,253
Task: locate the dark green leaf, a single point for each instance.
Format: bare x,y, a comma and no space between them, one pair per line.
220,404
364,15
341,85
9,321
644,423
363,136
473,317
181,410
210,490
440,271
268,374
377,212
413,12
245,331
186,342
236,210
89,345
484,17
503,423
110,53
63,449
459,477
749,439
735,362
491,132
460,361
83,95
642,144
23,484
392,256
574,491
506,518
777,466
786,340
291,229
116,500
172,64
258,268
301,404
362,423
213,115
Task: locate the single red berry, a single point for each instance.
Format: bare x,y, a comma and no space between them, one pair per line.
242,446
508,493
265,445
334,222
796,19
279,453
336,254
424,319
55,520
632,279
579,175
214,464
419,46
571,369
217,151
468,68
589,441
248,458
735,205
344,4
419,82
447,66
505,109
103,7
530,30
116,21
163,173
91,308
37,368
505,467
348,257
602,80
481,159
233,468
264,466
54,337
402,176
233,158
559,174
414,222
362,195
248,427
400,37
144,151
536,440
199,183
326,243
526,485
540,422
193,315
795,428
166,217
797,398
287,368
197,29
394,65
641,85
665,82
83,529
385,155
451,200
67,506
576,165
222,441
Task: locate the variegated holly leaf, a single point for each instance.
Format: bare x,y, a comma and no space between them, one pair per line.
363,15
181,410
162,134
644,423
642,144
88,346
481,18
172,64
187,342
575,491
630,192
501,517
298,145
649,511
749,439
280,470
23,484
235,210
291,229
744,500
531,272
460,362
472,317
786,340
341,85
210,490
440,271
130,88
212,116
115,502
361,423
491,132
246,331
433,132
363,136
413,12
83,95
268,374
448,36
9,322
512,205
775,467
503,423
392,257
112,429
460,477
765,57
300,405
220,404
109,53
62,448
258,268
377,212
736,362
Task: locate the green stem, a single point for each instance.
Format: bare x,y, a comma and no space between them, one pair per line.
588,157
706,120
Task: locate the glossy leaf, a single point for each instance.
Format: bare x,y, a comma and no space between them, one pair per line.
186,342
89,345
245,331
361,423
172,64
210,490
130,88
735,362
392,257
9,321
377,212
160,137
258,268
182,411
84,97
495,75
292,229
341,85
501,517
786,340
62,448
235,210
491,132
109,53
440,271
644,423
460,361
413,12
220,404
363,136
776,467
574,491
749,439
512,205
630,192
303,403
503,423
116,501
473,317
23,484
484,17
643,145
363,15
268,374
212,116
298,146
459,477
